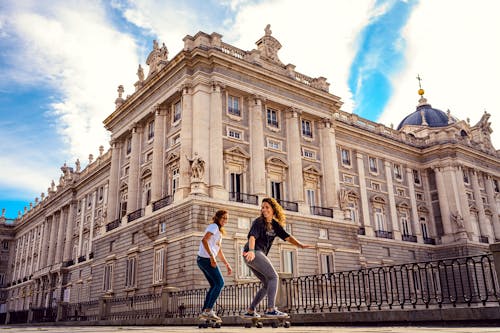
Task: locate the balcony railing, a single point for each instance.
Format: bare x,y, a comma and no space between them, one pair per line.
234,111
361,231
483,239
409,238
321,211
430,241
135,215
289,205
383,234
163,202
113,225
244,197
81,259
69,263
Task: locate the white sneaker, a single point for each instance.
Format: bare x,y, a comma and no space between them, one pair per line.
213,315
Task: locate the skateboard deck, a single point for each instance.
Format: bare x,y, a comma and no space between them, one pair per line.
209,322
273,321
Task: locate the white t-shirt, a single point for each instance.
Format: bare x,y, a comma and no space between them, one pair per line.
214,242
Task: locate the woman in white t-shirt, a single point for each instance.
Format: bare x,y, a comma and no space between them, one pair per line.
211,249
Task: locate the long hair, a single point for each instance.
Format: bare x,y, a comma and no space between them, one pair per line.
278,211
216,219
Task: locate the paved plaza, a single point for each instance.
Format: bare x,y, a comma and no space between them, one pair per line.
237,329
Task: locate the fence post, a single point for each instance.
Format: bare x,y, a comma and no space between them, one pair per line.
104,307
281,297
495,250
166,300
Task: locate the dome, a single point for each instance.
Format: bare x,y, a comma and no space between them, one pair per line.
426,115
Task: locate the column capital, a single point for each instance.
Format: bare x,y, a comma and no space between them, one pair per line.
359,155
186,88
293,112
159,110
217,86
257,99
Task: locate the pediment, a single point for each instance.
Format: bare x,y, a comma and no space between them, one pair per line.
377,198
171,157
277,161
423,209
403,205
312,170
237,151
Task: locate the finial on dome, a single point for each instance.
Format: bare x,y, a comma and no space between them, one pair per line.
422,100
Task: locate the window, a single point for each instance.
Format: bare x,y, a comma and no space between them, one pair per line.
466,176
416,177
66,295
419,196
235,134
134,237
423,226
177,112
311,197
151,130
307,128
323,233
348,179
346,156
162,226
400,192
272,118
470,196
175,180
129,145
288,261
405,224
273,144
130,272
123,204
379,219
309,154
398,174
5,245
276,190
159,267
495,185
353,210
233,105
176,139
235,185
2,279
372,162
245,271
101,193
111,245
107,284
327,266
147,193
375,186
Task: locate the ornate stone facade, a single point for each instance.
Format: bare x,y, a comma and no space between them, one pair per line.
219,127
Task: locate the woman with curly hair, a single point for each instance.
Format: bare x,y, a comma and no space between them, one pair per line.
264,229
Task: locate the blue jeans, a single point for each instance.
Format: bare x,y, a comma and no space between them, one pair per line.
214,277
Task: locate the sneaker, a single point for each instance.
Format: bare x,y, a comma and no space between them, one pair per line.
275,313
212,315
249,314
204,314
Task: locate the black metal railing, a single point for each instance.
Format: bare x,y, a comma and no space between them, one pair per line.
41,315
483,239
113,225
163,202
81,259
135,307
18,317
83,311
136,214
409,238
430,241
289,205
383,234
68,263
244,198
321,211
234,111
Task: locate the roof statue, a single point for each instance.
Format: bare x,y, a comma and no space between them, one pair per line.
269,46
157,58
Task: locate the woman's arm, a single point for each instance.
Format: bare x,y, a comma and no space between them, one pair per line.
204,241
295,242
224,260
250,255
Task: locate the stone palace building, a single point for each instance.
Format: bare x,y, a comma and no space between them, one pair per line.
217,127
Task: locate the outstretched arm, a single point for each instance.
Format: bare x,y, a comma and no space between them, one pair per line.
295,242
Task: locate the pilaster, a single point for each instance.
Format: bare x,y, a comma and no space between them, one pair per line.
294,156
413,203
158,152
216,167
484,227
114,179
60,236
69,234
257,162
447,237
186,142
364,196
329,163
493,205
133,176
396,232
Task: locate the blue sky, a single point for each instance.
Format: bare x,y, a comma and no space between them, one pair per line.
61,62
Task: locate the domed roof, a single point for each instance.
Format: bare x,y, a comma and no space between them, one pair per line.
426,115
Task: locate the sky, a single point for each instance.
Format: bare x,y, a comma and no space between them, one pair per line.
61,62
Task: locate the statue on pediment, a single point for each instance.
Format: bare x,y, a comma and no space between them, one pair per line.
157,58
269,46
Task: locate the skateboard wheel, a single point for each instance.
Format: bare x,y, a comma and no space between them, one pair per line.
286,324
274,325
217,325
259,325
248,325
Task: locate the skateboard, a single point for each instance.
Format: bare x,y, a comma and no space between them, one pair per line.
209,322
273,321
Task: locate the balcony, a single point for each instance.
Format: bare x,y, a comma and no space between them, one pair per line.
409,238
81,259
163,202
361,231
68,263
244,198
113,225
289,205
483,239
135,215
430,241
321,211
383,234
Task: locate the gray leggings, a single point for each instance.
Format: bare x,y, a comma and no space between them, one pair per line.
262,267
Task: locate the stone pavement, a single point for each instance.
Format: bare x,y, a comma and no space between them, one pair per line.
240,329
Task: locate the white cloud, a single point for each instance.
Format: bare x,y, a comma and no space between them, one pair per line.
456,53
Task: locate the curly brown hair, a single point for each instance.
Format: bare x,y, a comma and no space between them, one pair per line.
216,219
278,211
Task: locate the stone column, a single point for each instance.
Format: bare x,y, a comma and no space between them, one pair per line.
52,240
396,232
186,143
484,226
257,160
443,206
488,184
463,205
133,175
330,163
21,257
413,203
26,252
91,226
158,151
45,244
16,259
33,246
294,156
60,236
364,196
114,182
41,245
69,234
427,196
216,184
80,232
